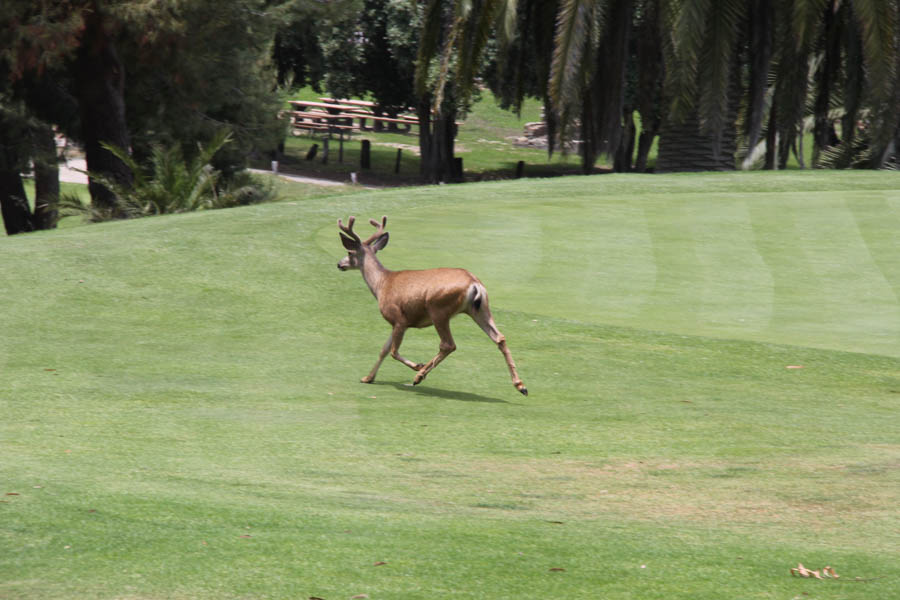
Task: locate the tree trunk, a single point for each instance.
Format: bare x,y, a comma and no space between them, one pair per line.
648,44
645,143
824,135
14,204
772,136
13,201
602,118
46,179
684,147
625,151
100,77
436,137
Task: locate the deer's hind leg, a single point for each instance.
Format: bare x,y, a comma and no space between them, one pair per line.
444,349
482,316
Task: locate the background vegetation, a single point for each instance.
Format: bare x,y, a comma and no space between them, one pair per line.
715,82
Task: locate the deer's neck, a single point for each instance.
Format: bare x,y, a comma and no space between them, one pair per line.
374,274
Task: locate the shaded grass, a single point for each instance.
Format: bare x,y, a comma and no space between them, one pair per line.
188,422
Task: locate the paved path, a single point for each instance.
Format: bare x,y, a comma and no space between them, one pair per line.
73,172
304,179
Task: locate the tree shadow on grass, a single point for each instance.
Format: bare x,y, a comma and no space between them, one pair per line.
446,394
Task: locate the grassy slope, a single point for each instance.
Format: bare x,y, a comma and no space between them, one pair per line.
182,416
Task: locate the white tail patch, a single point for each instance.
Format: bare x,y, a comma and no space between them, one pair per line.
477,296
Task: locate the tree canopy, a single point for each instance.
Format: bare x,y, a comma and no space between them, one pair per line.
132,74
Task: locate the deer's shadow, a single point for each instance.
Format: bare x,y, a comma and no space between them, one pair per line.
439,393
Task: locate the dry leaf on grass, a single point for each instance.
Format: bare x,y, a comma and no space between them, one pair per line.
825,573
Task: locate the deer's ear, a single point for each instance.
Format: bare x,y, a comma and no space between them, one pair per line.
349,244
380,242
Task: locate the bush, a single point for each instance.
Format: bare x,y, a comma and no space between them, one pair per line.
173,184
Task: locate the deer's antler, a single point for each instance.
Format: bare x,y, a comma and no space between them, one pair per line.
379,231
349,229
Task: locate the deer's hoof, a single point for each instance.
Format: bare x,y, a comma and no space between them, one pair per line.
418,379
367,379
521,387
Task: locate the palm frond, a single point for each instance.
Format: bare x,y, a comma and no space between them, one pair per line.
805,18
575,41
761,47
169,184
878,23
687,22
429,42
717,64
479,25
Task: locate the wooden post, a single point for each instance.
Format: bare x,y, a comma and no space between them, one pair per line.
325,151
365,156
341,148
520,169
397,164
312,152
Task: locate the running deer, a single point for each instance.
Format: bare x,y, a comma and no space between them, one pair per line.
419,299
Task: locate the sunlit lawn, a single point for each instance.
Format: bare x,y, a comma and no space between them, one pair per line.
713,364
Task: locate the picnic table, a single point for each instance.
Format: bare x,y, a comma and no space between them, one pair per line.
341,113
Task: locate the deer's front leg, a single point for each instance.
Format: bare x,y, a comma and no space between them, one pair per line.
392,345
396,340
384,350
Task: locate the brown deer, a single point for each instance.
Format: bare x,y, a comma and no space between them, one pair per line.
419,299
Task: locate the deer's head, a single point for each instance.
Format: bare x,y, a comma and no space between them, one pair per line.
358,250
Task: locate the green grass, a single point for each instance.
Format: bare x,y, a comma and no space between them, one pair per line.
182,416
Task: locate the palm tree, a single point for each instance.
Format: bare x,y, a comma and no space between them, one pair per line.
703,85
593,63
453,38
864,34
769,66
591,55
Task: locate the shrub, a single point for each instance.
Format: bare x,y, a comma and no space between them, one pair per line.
173,184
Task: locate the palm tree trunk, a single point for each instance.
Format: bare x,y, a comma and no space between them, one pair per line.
823,131
685,147
772,136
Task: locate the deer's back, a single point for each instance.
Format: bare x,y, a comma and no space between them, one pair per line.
414,296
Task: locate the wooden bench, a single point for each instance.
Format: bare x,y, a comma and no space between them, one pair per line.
366,103
321,121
